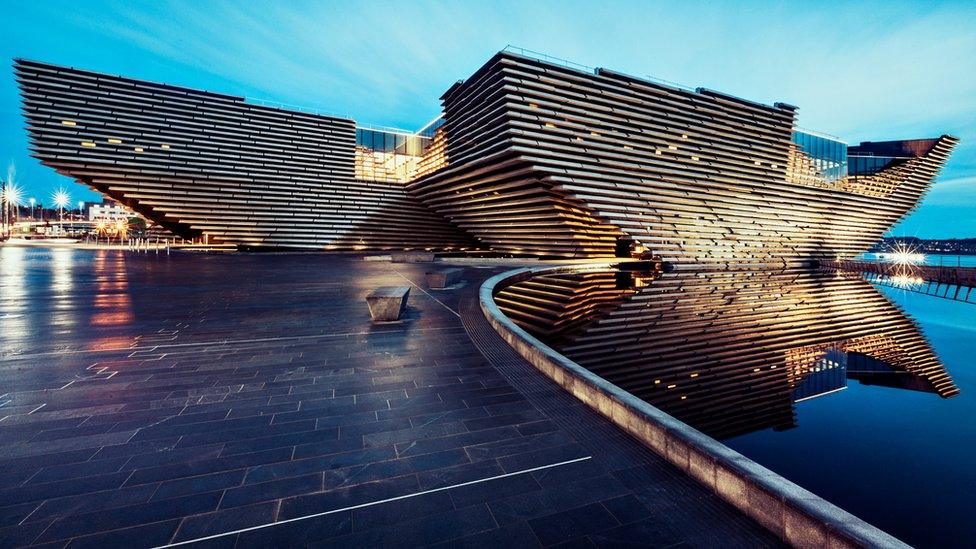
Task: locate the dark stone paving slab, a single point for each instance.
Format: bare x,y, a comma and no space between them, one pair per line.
147,400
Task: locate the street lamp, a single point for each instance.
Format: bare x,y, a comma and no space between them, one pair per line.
10,201
61,199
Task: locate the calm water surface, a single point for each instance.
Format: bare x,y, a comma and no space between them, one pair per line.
864,395
902,460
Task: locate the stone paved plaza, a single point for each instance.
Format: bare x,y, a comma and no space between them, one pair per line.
248,400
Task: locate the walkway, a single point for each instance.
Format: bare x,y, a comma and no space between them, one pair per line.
247,399
956,283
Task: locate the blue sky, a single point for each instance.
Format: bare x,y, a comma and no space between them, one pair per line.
863,71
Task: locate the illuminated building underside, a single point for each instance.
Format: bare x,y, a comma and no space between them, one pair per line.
532,158
724,350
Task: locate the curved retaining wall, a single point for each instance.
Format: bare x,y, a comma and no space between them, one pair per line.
798,516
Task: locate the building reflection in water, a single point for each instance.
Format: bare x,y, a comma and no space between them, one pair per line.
14,322
47,302
63,307
728,352
112,303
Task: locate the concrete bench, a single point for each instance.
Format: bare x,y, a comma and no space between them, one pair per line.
412,257
438,280
386,303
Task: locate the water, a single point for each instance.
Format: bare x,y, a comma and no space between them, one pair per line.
903,461
863,395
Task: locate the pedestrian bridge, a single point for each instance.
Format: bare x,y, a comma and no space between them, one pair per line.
956,283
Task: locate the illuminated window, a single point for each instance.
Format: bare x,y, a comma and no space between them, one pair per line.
533,105
757,162
164,146
115,141
594,133
695,158
88,144
683,136
694,375
628,147
657,151
139,149
673,147
657,382
683,397
69,122
672,386
550,125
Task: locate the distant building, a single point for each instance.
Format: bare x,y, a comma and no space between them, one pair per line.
109,210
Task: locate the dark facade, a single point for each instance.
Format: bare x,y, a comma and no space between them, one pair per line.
530,157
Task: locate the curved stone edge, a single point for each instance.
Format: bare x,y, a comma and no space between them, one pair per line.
795,514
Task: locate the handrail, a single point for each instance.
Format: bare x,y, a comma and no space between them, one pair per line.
818,133
546,58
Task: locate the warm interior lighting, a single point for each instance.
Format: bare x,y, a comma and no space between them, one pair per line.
139,149
695,158
550,125
69,122
164,146
115,141
88,144
533,105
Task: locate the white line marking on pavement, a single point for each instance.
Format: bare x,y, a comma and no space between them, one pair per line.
361,505
426,292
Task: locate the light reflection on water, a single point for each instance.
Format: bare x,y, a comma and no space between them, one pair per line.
62,298
13,295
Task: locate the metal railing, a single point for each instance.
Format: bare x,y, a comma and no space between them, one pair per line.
956,283
551,59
